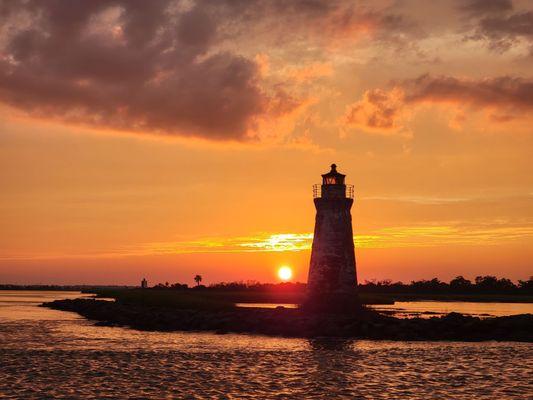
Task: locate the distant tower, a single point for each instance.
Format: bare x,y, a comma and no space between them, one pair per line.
332,269
144,283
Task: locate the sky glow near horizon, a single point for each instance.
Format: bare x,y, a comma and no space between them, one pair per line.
170,138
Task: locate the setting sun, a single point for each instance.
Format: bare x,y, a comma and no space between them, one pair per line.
285,273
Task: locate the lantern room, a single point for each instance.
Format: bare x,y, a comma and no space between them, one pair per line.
333,186
333,177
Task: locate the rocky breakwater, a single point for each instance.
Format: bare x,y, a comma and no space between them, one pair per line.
363,324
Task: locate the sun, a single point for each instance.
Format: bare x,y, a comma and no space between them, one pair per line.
285,273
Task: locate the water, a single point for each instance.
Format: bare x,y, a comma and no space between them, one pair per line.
266,305
53,354
407,309
428,309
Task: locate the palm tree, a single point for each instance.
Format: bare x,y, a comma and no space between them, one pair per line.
198,279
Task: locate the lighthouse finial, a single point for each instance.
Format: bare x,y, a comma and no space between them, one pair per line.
333,167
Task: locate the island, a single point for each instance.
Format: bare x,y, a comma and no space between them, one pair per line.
185,311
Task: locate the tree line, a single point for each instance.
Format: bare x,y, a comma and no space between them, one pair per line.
487,284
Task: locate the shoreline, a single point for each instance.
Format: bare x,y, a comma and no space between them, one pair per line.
273,296
286,322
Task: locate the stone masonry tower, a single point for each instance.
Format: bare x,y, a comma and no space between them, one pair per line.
332,270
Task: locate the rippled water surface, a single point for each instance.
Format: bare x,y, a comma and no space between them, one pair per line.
54,354
407,309
428,309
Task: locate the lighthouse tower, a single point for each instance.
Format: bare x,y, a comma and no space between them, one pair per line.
332,271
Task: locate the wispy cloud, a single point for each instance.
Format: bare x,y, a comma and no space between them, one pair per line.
264,242
490,233
390,237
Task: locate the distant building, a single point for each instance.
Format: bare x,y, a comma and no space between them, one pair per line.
144,284
332,269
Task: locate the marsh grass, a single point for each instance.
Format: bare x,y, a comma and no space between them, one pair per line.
224,300
210,299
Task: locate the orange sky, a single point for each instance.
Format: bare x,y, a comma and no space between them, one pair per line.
166,138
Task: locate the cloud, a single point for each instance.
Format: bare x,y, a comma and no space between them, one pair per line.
488,233
501,92
132,65
503,98
167,67
497,23
378,110
484,7
427,235
503,32
324,22
310,72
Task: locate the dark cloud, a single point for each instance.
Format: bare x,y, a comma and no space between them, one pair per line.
134,65
502,32
504,92
484,7
499,24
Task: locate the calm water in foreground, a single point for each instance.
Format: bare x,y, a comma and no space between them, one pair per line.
53,354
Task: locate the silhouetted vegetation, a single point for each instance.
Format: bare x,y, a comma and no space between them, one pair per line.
203,296
481,285
482,289
259,287
174,286
176,299
198,279
459,285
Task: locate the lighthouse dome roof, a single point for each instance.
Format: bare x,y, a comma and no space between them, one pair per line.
333,172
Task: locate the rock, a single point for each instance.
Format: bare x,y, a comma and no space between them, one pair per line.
302,323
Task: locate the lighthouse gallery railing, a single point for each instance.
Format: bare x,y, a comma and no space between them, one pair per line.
317,191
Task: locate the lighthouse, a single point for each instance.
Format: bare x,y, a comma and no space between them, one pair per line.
332,272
